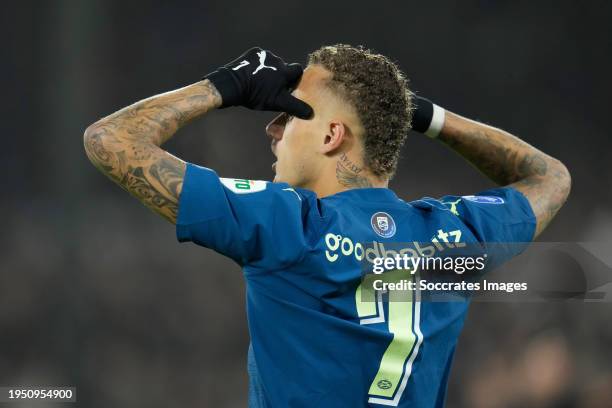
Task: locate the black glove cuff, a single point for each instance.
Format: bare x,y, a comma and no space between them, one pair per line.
422,114
227,86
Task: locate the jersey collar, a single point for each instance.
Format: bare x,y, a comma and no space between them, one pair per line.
366,194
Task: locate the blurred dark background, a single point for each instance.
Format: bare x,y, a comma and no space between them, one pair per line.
95,291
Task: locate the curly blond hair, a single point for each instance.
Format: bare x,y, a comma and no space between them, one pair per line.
378,90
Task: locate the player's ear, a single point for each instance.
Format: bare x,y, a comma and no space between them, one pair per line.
336,134
276,127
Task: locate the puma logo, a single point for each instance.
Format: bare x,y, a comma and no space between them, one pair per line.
453,206
262,60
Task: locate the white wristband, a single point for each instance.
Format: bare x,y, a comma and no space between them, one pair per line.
437,122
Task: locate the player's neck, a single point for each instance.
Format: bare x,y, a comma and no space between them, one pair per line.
333,183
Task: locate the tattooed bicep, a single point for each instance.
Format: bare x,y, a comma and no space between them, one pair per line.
149,173
158,184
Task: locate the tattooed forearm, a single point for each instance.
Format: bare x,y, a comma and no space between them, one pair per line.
125,145
507,160
350,174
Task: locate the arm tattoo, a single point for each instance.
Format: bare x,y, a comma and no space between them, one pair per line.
125,145
348,173
507,160
546,194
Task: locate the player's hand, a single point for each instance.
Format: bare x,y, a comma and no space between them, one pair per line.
260,80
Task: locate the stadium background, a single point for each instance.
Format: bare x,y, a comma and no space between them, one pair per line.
96,293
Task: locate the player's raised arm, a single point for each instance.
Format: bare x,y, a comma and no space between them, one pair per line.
125,145
504,158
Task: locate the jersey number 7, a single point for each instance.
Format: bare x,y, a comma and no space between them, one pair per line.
402,322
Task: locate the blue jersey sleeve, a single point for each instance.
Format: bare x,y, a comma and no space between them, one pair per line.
252,222
500,218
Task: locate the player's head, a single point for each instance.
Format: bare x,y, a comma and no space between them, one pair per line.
362,111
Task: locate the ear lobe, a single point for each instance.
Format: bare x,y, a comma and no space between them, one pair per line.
336,134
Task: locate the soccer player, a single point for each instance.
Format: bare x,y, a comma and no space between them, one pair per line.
301,239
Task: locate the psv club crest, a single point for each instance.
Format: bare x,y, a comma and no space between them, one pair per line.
383,224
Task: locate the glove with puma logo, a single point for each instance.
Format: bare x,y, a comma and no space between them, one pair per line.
260,80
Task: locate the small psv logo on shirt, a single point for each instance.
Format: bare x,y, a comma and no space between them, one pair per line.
242,186
383,224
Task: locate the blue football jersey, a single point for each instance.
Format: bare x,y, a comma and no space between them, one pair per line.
314,341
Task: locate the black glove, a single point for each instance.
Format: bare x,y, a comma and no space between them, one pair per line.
427,117
422,114
260,80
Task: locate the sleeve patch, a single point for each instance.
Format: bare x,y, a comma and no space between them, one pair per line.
484,199
242,186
